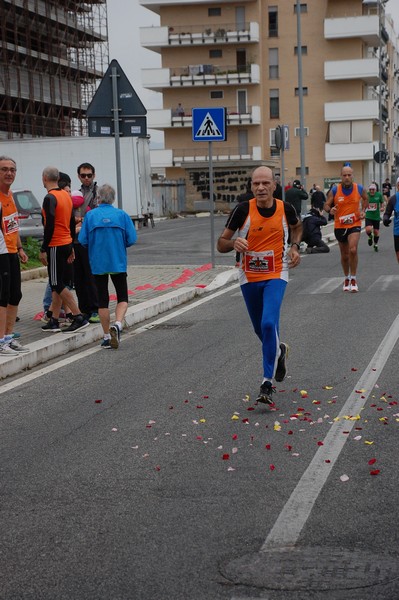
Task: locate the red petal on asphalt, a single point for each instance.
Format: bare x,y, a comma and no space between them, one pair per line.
353,369
379,408
290,432
316,402
98,401
272,467
148,426
235,436
300,409
199,437
268,446
170,407
205,396
327,460
289,448
157,468
372,461
199,406
245,420
250,408
320,443
375,472
225,456
358,428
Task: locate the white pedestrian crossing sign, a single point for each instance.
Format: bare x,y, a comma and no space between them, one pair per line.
209,124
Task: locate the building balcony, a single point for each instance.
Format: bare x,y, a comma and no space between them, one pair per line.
365,27
171,118
200,75
155,5
350,151
198,156
156,38
351,111
366,69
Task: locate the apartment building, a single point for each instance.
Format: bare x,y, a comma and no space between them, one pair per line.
52,56
244,56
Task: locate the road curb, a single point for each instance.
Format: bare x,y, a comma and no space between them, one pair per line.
60,344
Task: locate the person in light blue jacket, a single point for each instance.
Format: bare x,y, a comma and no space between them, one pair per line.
107,232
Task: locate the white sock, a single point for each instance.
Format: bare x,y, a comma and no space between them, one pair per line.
107,336
119,325
266,379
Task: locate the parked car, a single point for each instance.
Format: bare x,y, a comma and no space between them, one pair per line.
29,214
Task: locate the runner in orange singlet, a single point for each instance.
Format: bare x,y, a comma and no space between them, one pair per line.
264,224
347,201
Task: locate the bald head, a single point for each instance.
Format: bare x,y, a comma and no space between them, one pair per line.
347,176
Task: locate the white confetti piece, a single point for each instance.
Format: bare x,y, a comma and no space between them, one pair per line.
231,469
134,447
357,437
114,429
234,450
344,478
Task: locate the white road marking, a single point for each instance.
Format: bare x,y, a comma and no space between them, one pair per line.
85,353
384,282
326,285
295,513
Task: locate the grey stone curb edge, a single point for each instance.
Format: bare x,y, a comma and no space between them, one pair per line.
62,343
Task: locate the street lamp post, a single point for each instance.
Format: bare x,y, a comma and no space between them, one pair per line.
300,98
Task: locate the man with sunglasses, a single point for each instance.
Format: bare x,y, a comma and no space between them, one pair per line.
85,286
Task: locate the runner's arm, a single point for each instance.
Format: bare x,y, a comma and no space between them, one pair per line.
49,204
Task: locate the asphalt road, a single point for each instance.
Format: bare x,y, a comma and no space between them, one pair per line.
179,242
149,473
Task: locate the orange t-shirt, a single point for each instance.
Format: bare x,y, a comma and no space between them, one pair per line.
266,257
348,208
9,222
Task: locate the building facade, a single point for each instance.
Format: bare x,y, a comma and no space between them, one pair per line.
52,55
244,56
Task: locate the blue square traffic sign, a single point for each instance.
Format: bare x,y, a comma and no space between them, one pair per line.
209,124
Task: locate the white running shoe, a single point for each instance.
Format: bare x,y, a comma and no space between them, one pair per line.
17,347
354,287
347,285
5,350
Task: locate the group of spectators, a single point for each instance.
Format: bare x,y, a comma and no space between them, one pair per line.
84,242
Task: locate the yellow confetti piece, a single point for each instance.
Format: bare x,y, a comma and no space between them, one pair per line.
303,393
327,387
234,418
368,443
277,426
202,420
336,419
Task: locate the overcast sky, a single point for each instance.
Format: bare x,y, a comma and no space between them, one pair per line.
125,17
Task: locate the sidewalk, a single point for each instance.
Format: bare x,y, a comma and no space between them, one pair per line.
152,290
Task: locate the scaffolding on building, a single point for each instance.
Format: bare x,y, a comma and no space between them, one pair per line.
53,54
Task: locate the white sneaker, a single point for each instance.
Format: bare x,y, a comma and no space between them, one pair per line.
354,287
17,347
347,285
5,350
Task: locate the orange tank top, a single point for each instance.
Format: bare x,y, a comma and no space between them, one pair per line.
9,222
348,208
266,257
62,222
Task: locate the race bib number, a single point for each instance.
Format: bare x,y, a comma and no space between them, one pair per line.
259,262
372,206
347,219
10,224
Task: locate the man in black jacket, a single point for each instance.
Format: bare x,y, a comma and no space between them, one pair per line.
311,232
295,195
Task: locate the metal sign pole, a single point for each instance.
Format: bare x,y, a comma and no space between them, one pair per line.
211,206
115,111
282,172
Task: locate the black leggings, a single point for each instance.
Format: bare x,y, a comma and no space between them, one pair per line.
120,282
10,280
